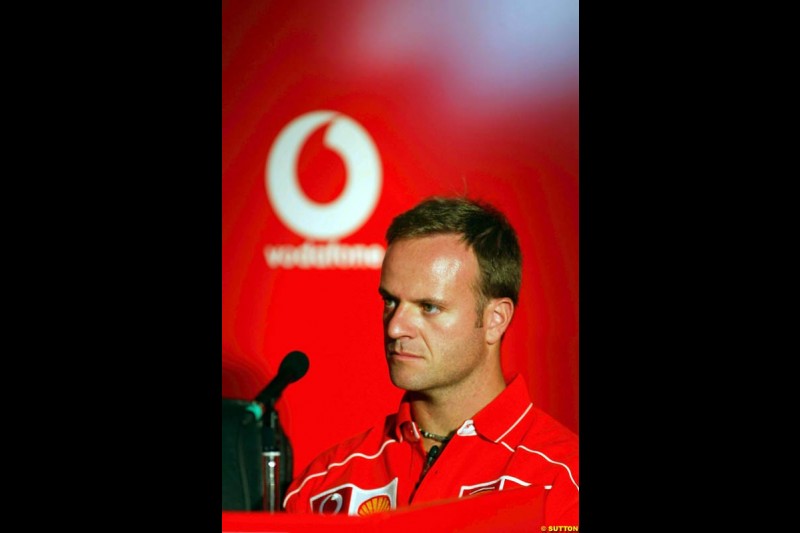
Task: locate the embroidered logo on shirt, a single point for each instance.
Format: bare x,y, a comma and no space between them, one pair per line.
354,500
376,504
500,483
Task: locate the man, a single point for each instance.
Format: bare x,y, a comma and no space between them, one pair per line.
450,282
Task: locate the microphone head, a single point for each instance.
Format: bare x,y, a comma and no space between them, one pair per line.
294,366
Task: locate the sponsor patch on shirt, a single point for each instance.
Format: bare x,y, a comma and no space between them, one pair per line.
501,483
354,500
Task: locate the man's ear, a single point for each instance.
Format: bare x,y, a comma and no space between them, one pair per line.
496,318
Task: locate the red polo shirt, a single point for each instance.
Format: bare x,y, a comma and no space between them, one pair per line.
509,444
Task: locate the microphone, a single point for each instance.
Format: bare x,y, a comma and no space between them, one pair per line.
433,453
293,367
276,450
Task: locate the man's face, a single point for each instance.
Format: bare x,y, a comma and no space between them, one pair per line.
429,315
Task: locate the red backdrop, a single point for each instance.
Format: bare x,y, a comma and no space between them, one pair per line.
337,116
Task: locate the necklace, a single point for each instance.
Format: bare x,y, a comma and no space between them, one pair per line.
434,436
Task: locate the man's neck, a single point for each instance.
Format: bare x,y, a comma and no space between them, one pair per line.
443,411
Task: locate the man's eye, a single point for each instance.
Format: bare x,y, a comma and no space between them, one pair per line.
430,308
388,303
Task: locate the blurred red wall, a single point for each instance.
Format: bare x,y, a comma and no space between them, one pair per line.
422,98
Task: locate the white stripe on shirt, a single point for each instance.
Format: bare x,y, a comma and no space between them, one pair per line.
512,450
515,424
295,491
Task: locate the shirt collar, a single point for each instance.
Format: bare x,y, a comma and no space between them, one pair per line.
496,421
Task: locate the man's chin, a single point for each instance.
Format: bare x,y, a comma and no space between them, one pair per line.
406,382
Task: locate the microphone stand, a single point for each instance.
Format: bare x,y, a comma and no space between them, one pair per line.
270,461
276,457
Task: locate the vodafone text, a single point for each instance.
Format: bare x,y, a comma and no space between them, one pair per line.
324,256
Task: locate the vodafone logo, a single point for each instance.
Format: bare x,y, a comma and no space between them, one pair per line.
356,203
333,220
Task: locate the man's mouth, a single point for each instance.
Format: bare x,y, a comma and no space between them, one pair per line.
403,355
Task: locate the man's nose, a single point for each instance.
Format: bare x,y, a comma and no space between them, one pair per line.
399,322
